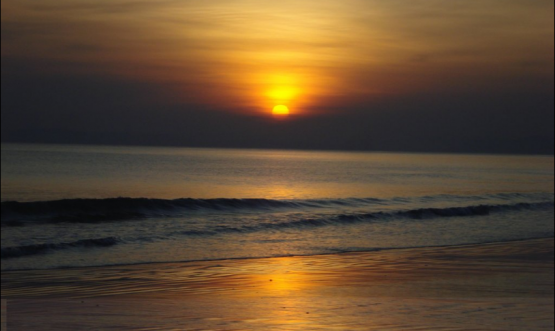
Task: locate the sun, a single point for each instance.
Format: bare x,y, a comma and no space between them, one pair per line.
281,110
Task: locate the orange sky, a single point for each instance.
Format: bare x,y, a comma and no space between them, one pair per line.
313,56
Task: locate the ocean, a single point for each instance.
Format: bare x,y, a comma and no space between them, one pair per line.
75,206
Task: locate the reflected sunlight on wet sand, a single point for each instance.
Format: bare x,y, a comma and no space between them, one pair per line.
504,286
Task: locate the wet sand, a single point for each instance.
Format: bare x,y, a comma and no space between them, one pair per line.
503,286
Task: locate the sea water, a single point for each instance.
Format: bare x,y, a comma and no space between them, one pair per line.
69,206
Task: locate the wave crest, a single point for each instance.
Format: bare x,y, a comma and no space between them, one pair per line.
124,209
115,209
416,214
20,251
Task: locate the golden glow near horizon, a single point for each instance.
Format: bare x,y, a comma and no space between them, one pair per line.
248,56
280,110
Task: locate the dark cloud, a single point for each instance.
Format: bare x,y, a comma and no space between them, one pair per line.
427,76
56,108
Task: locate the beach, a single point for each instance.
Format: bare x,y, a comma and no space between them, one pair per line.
148,238
277,165
498,286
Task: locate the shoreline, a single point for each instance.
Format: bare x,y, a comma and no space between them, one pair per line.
377,250
497,286
379,258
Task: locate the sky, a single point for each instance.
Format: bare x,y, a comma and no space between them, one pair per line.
464,76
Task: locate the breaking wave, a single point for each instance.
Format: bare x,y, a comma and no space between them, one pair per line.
20,251
115,209
416,214
124,209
